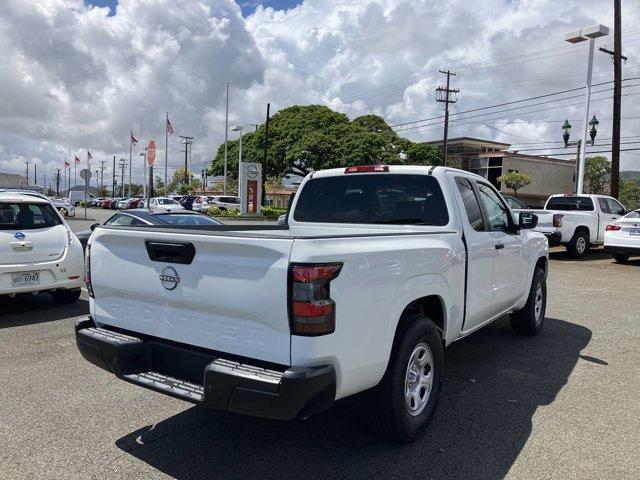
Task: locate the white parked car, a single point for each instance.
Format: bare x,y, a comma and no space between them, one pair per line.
379,268
622,237
164,203
38,251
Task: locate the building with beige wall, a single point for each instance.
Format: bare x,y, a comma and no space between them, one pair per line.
492,159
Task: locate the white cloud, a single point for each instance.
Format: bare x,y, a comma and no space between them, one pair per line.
76,78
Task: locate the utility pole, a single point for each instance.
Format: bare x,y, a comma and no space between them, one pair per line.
266,148
617,95
130,154
123,167
35,174
113,180
186,141
443,95
255,125
57,179
102,162
27,174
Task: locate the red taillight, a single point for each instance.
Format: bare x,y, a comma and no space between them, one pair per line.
312,311
367,169
557,220
613,228
87,270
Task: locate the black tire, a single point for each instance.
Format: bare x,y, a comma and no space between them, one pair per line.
578,246
62,297
527,321
620,257
384,407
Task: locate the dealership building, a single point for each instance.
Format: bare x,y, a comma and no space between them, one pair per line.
491,159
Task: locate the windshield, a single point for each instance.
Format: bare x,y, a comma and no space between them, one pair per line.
186,219
167,201
570,204
373,199
27,216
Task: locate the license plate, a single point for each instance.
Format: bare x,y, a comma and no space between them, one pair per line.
25,279
635,232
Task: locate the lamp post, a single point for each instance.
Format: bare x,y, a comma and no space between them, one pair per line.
238,128
576,36
566,127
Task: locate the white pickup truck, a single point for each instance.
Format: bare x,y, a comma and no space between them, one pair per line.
577,221
377,270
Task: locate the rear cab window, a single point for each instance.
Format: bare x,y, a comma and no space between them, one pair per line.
395,199
27,216
583,204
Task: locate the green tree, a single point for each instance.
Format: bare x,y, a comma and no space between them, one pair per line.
423,154
102,191
629,194
597,174
313,137
515,181
158,185
183,182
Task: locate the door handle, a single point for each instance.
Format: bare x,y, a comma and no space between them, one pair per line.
499,246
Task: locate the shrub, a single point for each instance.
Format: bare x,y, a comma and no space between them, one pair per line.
82,203
268,211
214,211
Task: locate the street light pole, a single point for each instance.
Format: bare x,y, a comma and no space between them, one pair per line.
576,36
226,135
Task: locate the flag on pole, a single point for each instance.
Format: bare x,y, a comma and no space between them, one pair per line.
77,159
169,127
89,155
134,140
66,164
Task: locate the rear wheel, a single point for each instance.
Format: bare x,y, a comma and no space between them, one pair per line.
402,404
578,247
62,297
529,319
620,257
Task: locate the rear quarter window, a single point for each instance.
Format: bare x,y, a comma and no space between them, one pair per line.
398,199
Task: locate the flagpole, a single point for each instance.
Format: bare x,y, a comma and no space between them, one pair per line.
86,184
75,173
130,151
166,152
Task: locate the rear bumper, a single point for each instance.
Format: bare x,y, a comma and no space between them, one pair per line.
206,377
621,249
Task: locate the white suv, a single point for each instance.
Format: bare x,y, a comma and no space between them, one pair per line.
38,250
223,202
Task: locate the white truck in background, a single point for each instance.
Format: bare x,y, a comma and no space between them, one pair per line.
377,270
577,221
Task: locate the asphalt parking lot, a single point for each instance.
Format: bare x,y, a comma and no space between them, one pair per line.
563,404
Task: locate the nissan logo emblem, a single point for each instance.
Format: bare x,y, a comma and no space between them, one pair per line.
252,171
169,278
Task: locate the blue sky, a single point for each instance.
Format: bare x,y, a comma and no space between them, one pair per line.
247,6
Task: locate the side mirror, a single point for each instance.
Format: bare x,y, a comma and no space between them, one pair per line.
93,227
528,220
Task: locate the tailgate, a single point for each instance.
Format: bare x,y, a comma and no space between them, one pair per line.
232,297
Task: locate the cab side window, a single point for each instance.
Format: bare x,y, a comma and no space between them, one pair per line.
604,206
471,204
497,211
615,208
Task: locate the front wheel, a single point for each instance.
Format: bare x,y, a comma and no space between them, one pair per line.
402,405
529,319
